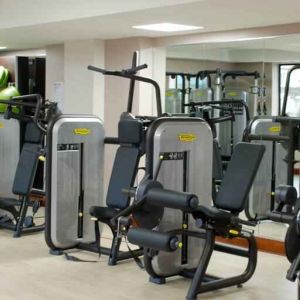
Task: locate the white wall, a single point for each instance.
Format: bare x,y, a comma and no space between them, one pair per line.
54,69
80,96
156,60
83,90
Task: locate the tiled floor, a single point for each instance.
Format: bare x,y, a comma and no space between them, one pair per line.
28,272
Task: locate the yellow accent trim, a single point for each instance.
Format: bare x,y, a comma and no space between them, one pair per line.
170,93
275,129
233,232
187,137
232,94
82,131
42,158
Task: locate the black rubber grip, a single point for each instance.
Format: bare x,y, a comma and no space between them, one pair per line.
172,199
267,137
153,239
135,69
111,140
130,192
281,217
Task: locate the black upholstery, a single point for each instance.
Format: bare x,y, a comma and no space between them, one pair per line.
130,135
122,176
235,187
125,168
23,180
212,213
239,177
6,202
130,131
103,214
33,134
26,169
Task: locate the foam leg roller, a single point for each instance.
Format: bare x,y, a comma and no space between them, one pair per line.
172,199
153,239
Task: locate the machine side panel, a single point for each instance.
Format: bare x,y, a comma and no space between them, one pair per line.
194,174
76,175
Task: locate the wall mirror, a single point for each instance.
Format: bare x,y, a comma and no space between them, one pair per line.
246,78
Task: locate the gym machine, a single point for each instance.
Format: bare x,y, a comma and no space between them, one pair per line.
75,171
33,112
249,98
183,93
285,197
177,140
280,135
202,93
227,102
175,97
173,246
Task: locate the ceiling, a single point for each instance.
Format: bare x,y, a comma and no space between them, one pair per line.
272,49
37,23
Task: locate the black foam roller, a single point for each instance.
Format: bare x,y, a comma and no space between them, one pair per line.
153,239
172,199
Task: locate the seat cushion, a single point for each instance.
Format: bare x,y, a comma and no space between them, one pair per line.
8,202
213,213
26,169
103,214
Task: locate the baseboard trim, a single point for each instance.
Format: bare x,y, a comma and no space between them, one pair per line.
263,244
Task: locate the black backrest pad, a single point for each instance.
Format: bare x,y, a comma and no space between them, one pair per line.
217,162
32,133
130,131
239,177
26,169
122,176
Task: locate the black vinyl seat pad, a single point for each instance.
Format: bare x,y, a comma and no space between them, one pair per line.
103,214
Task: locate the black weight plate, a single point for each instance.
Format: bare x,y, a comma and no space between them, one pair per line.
292,242
149,216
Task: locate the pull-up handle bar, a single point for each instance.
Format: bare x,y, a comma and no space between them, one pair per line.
130,74
133,70
235,74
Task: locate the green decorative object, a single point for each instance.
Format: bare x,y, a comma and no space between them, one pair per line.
7,94
4,75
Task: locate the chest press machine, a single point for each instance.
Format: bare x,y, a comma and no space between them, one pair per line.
31,111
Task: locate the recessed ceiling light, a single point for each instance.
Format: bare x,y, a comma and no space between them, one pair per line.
167,27
2,47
